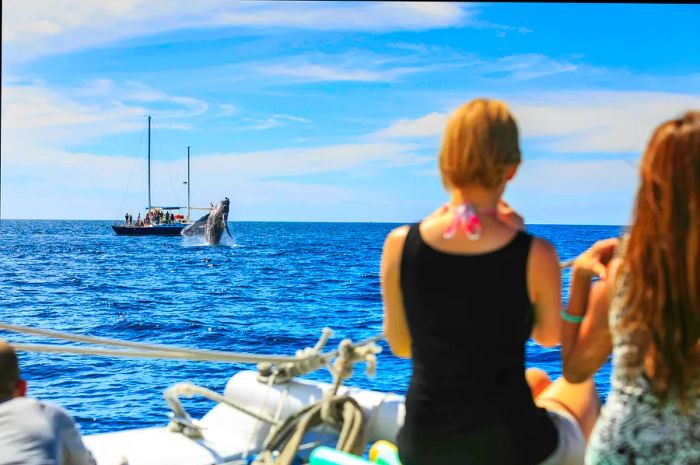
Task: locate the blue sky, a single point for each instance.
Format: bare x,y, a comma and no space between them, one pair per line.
304,111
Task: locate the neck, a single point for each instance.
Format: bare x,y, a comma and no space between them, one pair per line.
478,196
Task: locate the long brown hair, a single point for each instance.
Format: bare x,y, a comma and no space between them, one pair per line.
662,260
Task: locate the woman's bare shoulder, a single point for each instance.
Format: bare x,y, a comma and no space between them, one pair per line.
396,237
393,248
542,251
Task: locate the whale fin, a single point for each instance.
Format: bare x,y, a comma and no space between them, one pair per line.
196,228
226,226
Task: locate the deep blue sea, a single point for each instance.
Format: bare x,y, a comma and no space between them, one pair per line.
272,291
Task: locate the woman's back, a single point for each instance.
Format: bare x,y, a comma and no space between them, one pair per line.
470,313
462,293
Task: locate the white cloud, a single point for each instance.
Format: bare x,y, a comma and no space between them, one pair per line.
42,27
503,29
360,16
369,67
361,65
513,68
574,121
525,67
312,72
39,113
544,177
55,184
36,111
52,183
289,162
429,125
273,121
417,47
182,107
227,109
261,124
336,68
598,121
574,192
297,119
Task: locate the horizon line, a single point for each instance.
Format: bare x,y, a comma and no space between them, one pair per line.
311,221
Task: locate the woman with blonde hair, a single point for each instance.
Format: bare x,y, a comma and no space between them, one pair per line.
463,290
647,312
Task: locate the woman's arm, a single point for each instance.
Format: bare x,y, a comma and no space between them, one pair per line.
395,326
586,345
544,286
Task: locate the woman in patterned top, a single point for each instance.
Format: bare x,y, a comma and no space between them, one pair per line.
647,312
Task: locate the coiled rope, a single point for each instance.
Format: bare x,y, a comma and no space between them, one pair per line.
341,412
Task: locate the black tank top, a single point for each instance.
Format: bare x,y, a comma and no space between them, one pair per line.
469,317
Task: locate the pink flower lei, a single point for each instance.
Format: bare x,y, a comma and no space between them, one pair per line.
467,220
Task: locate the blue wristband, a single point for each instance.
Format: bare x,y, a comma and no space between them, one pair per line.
570,318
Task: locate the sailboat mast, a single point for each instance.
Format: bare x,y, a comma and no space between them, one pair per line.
149,163
188,184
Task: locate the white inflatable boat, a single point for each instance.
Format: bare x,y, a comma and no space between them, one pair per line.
228,435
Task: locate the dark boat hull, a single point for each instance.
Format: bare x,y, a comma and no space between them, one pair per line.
160,230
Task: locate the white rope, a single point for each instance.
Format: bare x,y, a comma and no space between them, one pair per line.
148,350
173,393
165,355
277,366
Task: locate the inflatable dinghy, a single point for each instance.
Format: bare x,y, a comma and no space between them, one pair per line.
229,435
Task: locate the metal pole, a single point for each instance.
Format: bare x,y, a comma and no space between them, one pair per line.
149,162
188,184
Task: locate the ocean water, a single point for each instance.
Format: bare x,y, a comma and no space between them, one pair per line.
271,290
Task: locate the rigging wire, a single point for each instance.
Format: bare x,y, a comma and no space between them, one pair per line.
167,170
131,174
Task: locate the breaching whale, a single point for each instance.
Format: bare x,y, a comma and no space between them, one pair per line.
212,225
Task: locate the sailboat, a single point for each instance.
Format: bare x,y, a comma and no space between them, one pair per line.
154,222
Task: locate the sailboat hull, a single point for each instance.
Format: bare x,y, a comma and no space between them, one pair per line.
158,230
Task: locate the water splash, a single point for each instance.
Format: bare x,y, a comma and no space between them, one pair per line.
228,241
198,241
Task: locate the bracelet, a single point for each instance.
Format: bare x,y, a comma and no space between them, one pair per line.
571,318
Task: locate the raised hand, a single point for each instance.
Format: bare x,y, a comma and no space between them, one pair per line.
594,261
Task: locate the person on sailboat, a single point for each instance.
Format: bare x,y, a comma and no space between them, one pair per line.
463,290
